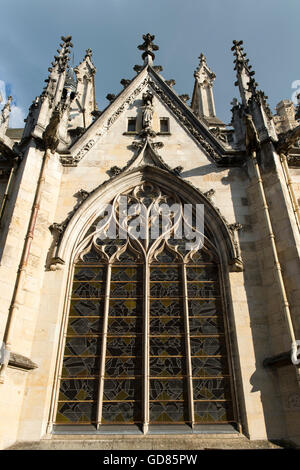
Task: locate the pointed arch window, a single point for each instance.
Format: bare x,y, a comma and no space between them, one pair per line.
145,341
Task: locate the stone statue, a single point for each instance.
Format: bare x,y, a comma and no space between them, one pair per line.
4,118
148,110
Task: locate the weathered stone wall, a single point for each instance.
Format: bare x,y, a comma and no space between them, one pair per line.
24,324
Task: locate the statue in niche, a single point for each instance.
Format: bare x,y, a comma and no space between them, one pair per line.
148,110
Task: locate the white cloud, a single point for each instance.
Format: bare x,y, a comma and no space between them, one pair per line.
16,117
17,114
2,92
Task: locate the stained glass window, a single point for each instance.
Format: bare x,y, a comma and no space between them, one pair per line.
145,340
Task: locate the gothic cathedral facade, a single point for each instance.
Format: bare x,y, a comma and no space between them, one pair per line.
117,320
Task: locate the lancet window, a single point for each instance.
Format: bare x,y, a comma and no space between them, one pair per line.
145,341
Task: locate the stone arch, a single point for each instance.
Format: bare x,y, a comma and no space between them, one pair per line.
87,213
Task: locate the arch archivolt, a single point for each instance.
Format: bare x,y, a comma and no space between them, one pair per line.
75,234
149,187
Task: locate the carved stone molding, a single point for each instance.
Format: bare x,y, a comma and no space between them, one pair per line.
56,264
293,160
69,160
126,103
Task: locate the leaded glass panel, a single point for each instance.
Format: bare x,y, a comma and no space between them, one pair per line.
110,373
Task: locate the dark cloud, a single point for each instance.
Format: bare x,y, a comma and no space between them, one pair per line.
31,29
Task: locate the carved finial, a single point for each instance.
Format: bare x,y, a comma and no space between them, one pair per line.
148,47
88,53
202,58
203,72
203,103
245,82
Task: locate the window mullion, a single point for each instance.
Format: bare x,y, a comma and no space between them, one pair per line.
188,346
103,346
146,346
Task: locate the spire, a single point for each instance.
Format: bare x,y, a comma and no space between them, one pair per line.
148,46
245,81
84,105
55,81
42,107
254,101
203,103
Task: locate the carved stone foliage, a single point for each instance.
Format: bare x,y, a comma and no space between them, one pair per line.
125,82
57,229
110,97
114,171
209,194
138,68
178,170
184,97
171,82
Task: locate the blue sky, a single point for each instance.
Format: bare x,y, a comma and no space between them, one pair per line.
30,33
